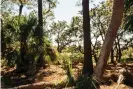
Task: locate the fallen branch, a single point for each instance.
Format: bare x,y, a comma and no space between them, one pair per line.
124,75
40,85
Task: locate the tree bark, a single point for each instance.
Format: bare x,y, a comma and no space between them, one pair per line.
40,35
118,8
3,43
88,66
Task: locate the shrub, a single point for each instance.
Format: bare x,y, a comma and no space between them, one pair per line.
3,62
12,57
47,59
76,58
67,66
127,60
85,82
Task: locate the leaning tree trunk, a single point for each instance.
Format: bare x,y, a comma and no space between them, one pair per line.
118,8
88,66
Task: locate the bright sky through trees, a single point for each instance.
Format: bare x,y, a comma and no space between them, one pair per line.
66,9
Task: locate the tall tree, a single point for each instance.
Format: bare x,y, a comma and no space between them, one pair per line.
88,66
40,34
118,8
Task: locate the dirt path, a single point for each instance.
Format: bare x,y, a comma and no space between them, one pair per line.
55,74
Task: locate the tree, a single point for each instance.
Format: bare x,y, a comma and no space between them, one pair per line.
40,35
76,30
23,29
58,29
65,34
40,31
118,8
100,17
88,66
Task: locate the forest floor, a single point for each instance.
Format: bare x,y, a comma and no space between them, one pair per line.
53,77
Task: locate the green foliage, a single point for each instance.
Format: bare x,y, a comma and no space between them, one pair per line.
10,29
47,59
51,55
128,26
66,34
51,51
129,20
100,19
127,55
68,68
85,82
125,60
76,58
128,23
3,62
73,49
128,4
10,38
58,30
12,57
14,29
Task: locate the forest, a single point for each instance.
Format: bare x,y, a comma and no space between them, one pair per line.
94,50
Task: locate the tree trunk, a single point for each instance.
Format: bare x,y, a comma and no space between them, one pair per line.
88,66
94,55
40,35
119,51
3,43
118,8
23,49
22,66
112,56
58,47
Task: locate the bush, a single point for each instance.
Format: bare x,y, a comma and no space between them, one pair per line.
63,56
76,58
3,62
127,60
47,59
127,53
12,56
85,82
67,66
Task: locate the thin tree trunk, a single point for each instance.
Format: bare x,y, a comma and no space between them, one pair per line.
112,56
58,47
88,66
3,44
118,8
119,50
95,57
